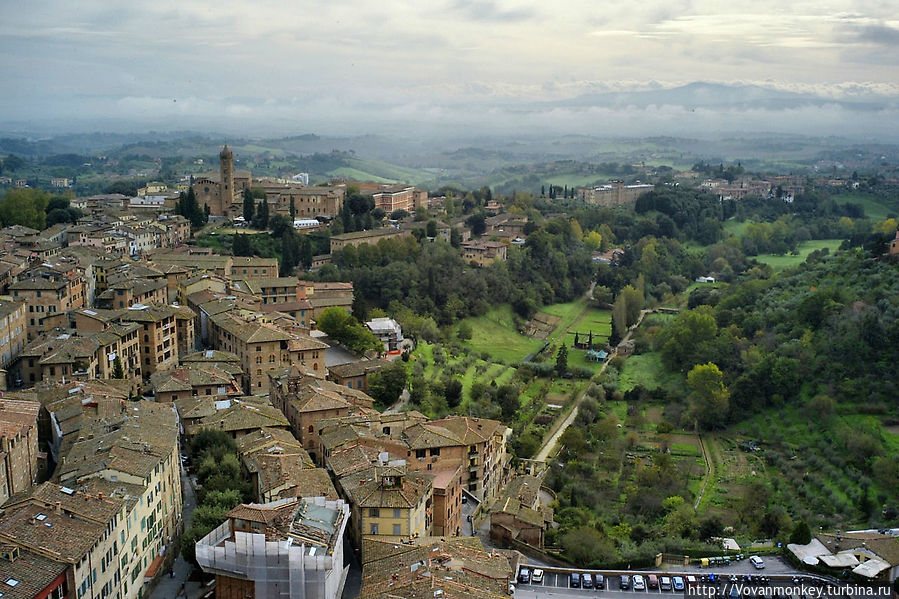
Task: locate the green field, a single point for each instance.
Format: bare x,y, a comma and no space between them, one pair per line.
648,371
779,263
358,175
495,333
874,207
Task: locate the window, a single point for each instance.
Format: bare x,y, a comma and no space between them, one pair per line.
396,530
374,512
311,428
396,513
421,453
435,451
374,529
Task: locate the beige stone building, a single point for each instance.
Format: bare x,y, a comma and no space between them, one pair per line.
223,193
264,347
46,296
279,467
135,449
194,380
483,253
18,442
158,336
357,238
388,500
613,194
13,332
235,416
306,400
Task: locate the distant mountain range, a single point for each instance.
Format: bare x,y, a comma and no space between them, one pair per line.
719,96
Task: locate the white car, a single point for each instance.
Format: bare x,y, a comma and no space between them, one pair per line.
639,583
537,576
756,561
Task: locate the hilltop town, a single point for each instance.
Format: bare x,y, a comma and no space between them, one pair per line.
274,381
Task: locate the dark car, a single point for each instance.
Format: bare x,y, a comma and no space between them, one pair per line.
587,580
625,582
574,581
599,581
524,576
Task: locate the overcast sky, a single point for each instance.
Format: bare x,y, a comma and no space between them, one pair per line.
332,64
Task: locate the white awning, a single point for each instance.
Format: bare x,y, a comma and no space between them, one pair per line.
840,560
871,568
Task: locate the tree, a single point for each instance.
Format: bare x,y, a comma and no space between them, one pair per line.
801,535
342,326
452,390
261,221
431,228
241,245
562,360
709,396
26,207
477,222
249,206
386,385
118,371
464,331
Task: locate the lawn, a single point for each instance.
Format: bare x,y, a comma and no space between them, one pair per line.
495,333
568,313
648,371
872,206
779,263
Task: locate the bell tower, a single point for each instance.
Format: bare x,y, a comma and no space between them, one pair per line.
226,158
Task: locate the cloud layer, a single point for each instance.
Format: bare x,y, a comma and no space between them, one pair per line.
354,66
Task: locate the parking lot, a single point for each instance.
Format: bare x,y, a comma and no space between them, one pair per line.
558,583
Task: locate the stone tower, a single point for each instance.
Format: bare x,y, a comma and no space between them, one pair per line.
226,158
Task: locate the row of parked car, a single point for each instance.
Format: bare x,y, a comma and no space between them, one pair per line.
637,582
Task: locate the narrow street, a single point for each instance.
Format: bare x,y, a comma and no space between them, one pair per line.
169,587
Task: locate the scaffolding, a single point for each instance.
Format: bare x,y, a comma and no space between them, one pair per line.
281,569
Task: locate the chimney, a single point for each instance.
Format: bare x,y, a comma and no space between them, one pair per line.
100,495
59,507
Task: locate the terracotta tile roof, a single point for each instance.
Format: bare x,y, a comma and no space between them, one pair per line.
17,416
58,537
368,489
32,571
433,567
141,436
235,414
358,368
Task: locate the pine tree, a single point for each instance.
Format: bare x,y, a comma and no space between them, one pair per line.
562,360
543,191
249,206
118,371
293,209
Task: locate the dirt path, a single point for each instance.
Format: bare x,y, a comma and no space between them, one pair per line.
710,469
550,445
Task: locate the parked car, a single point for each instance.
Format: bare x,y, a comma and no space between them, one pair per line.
599,581
574,581
756,561
677,583
537,576
639,583
692,581
586,580
524,576
652,581
625,582
665,583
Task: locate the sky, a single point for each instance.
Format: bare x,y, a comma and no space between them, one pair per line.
333,66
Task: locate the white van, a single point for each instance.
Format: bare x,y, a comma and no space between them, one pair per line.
757,562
